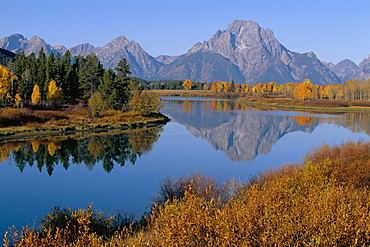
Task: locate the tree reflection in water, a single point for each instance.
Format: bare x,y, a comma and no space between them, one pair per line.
110,150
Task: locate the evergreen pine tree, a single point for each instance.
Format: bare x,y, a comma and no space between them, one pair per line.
109,90
123,80
91,73
32,68
232,88
64,71
19,70
41,71
51,68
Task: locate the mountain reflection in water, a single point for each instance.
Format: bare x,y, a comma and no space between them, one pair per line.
110,150
240,131
243,132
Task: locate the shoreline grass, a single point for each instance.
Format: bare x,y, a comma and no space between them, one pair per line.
26,123
308,108
22,133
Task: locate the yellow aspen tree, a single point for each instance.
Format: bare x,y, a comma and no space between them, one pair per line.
340,94
330,92
220,87
52,148
35,146
5,82
17,100
304,90
55,93
248,88
36,95
243,88
188,84
273,87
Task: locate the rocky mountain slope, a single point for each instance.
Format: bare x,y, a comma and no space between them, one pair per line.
348,70
363,70
260,57
201,66
18,42
142,64
345,69
244,52
166,59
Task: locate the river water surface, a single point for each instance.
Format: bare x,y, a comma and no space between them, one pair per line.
121,173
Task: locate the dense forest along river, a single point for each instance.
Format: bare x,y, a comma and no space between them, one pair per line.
120,173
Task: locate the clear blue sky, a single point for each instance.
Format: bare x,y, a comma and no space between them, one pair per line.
333,29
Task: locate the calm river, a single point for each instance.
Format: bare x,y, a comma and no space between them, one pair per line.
120,173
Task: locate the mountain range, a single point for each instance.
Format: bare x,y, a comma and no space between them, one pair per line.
244,52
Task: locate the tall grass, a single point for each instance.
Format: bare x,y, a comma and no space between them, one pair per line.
325,201
18,117
76,115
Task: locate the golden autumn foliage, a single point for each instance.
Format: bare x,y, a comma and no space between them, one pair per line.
54,93
52,148
304,90
303,120
324,201
187,106
17,100
351,90
142,142
6,148
36,95
206,86
188,84
144,102
287,89
5,82
213,87
35,146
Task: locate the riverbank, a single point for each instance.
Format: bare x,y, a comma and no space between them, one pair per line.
93,125
327,106
277,102
197,93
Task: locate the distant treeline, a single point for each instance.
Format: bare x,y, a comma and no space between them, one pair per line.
169,85
305,90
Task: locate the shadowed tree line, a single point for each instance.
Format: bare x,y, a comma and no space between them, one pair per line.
109,150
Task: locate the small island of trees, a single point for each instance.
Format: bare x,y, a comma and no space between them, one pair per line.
56,87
